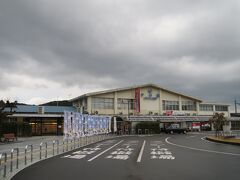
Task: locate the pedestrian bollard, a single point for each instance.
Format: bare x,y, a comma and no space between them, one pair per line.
1,155
11,164
63,144
46,146
53,147
5,163
70,145
40,150
67,144
57,146
73,143
26,148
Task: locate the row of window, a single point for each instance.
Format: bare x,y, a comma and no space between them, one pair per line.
108,103
170,105
174,105
221,108
125,104
206,107
189,106
103,103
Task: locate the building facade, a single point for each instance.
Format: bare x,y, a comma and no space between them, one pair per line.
149,102
44,120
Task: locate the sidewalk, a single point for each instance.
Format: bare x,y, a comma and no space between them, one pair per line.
15,163
23,141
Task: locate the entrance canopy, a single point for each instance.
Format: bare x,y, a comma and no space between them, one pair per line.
168,118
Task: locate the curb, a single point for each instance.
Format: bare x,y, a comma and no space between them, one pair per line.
11,175
222,141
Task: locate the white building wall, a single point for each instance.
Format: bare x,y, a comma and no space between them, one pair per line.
146,104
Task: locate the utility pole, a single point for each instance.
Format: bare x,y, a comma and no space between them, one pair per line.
128,109
236,103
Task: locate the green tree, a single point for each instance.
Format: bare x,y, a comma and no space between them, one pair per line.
11,105
218,120
2,113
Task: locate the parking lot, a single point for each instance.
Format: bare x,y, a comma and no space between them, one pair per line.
142,157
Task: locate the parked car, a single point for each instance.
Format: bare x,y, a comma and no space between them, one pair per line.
175,128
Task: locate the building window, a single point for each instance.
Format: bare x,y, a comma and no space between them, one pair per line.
125,103
235,125
188,106
221,108
170,105
102,103
206,107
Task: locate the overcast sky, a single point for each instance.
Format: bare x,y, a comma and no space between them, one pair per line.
61,49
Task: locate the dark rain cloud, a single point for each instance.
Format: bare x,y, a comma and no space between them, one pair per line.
189,46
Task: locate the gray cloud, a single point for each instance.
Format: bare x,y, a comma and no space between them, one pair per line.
190,46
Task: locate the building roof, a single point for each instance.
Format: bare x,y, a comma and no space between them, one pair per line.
37,115
133,87
34,109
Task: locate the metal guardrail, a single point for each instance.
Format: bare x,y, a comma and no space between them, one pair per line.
12,162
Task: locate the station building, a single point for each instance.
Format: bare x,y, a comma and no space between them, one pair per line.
150,102
44,120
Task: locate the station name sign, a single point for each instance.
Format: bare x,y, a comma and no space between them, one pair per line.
150,95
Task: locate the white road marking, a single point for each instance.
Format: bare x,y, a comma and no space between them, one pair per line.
204,139
82,153
122,153
160,153
141,152
105,151
204,150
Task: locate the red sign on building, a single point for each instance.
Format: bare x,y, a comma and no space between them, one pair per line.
137,100
169,113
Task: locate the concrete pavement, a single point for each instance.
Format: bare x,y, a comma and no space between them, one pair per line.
163,157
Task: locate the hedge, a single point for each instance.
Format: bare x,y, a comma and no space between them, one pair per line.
153,127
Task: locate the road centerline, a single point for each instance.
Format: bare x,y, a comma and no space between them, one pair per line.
141,152
104,151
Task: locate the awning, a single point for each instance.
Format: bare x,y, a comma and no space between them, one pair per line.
36,115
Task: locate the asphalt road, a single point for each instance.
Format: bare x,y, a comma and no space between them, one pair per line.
169,157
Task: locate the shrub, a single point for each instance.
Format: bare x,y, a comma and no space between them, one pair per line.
153,127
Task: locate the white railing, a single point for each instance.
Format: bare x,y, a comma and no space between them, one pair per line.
14,161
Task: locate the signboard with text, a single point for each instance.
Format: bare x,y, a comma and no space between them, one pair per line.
77,125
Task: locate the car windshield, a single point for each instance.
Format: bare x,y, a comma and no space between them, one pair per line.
174,126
